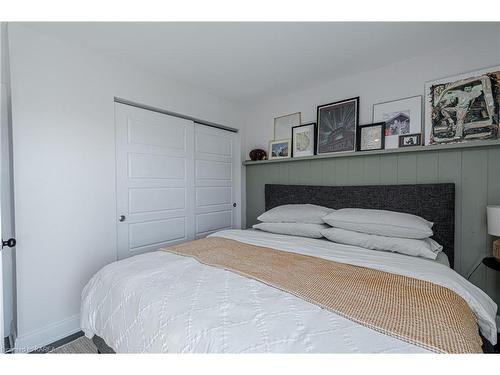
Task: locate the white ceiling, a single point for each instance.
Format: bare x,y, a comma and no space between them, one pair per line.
247,61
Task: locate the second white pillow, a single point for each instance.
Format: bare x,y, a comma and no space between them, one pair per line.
426,248
380,222
293,229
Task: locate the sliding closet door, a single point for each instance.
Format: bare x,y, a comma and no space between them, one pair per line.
155,174
217,184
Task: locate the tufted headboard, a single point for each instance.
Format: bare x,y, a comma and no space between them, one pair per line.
433,202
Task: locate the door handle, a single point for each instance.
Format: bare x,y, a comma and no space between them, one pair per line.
234,204
122,218
11,242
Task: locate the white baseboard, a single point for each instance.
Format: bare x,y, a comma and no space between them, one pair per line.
43,336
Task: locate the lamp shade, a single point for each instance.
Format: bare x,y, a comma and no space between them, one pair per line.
493,213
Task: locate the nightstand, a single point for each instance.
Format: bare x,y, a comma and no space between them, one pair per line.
492,263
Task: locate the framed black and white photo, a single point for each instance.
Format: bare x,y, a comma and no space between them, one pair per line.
280,149
304,140
402,116
463,107
283,125
337,124
410,140
371,137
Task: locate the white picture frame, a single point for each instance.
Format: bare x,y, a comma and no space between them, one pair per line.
402,116
280,149
283,125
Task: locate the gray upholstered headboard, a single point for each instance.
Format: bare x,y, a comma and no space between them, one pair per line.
433,202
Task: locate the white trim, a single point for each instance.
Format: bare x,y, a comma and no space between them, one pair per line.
48,334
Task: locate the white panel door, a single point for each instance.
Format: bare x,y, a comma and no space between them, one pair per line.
155,174
217,180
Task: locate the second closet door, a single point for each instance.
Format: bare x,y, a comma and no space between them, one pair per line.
216,185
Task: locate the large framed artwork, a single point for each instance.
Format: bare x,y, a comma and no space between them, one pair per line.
402,116
337,124
463,107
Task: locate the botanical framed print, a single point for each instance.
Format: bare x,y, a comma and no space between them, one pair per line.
304,140
283,125
280,149
410,140
371,137
337,124
402,116
463,107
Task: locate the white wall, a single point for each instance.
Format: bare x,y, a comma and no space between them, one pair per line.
399,80
8,230
64,169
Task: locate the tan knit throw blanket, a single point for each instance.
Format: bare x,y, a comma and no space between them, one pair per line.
416,311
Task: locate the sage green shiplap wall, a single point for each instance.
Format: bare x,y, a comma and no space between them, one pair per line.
475,172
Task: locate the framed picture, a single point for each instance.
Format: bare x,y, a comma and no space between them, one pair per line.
463,107
371,137
402,116
283,125
304,140
280,149
337,124
409,140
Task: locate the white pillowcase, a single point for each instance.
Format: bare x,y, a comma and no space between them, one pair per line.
295,213
293,229
426,248
380,222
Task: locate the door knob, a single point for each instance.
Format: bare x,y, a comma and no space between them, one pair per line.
234,204
122,218
11,242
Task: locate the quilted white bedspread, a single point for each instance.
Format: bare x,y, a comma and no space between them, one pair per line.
161,302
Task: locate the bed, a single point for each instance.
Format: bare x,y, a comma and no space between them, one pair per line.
166,302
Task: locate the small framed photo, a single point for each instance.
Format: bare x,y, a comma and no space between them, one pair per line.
304,140
371,137
337,124
401,117
409,140
280,149
283,125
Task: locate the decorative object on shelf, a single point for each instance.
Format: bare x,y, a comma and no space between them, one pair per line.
283,125
258,154
337,124
280,149
410,140
304,140
402,116
371,137
493,215
463,107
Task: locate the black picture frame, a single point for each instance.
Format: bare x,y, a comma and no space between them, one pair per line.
359,136
330,148
314,138
403,136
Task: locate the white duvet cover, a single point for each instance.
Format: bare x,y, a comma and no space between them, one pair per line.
162,302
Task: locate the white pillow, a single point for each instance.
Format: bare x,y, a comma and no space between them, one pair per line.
295,213
293,229
380,222
427,248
